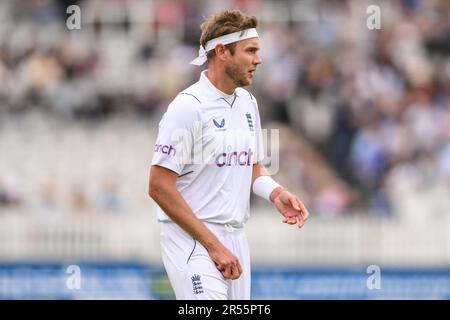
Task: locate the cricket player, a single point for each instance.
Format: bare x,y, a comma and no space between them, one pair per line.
207,160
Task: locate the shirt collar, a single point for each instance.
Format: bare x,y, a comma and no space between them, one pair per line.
211,89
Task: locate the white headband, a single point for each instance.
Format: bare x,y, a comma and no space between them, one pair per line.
225,39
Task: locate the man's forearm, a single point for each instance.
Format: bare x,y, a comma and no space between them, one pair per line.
259,170
177,209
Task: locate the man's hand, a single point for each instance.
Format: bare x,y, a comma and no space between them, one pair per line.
226,262
292,209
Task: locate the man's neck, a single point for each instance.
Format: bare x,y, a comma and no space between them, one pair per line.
220,80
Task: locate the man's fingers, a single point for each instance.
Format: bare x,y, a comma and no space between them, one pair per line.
239,267
226,272
301,222
305,215
232,271
305,212
294,203
290,220
301,213
235,272
220,268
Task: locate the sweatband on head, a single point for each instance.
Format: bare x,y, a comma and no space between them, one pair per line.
225,39
263,186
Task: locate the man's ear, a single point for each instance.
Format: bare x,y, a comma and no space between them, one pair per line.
220,50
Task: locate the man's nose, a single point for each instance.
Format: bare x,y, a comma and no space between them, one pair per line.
257,59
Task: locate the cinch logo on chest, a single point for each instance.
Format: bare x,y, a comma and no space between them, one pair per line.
243,158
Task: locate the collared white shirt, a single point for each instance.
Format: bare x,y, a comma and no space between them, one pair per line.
211,141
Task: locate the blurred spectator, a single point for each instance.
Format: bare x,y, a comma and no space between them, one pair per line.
10,192
80,203
109,198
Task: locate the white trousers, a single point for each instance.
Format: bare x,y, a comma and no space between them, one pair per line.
191,271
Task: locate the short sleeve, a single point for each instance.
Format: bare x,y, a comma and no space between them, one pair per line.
176,134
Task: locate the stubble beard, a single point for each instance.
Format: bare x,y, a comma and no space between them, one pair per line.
236,75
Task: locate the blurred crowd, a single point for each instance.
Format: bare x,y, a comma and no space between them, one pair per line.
365,114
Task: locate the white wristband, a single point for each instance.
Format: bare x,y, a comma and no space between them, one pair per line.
263,186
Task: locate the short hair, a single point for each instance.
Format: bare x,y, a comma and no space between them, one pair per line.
225,22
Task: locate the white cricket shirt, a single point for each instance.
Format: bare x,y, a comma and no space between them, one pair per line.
211,140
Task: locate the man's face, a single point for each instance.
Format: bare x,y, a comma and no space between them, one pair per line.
242,65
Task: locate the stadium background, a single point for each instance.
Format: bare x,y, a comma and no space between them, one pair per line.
364,119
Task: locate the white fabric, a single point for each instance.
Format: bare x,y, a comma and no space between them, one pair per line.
214,156
263,186
191,271
225,39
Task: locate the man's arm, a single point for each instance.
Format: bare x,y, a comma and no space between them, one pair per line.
162,189
292,209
